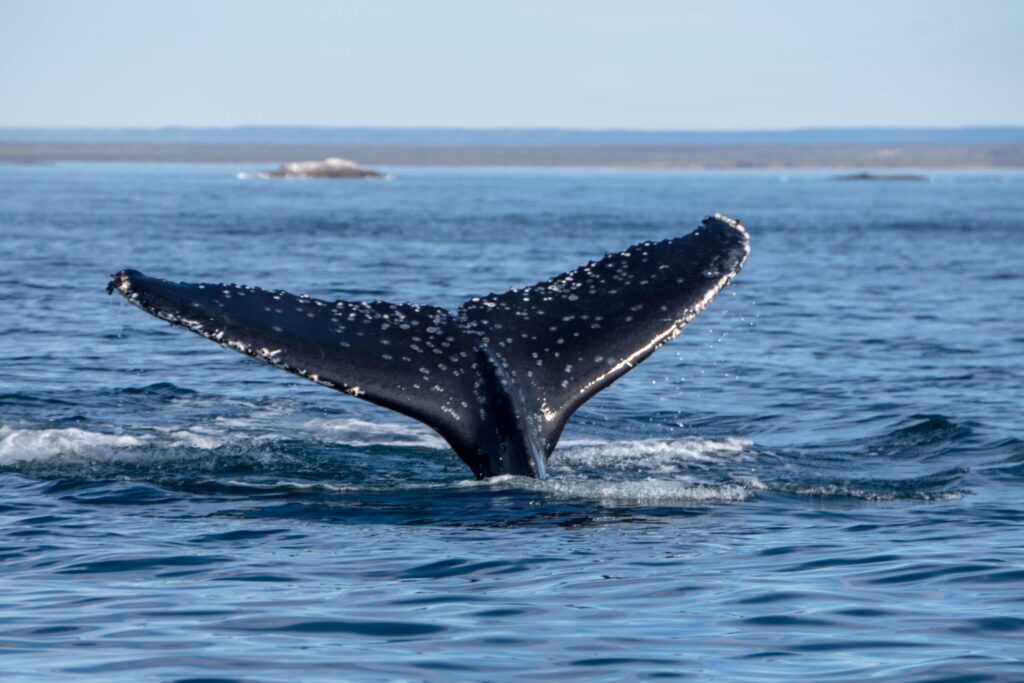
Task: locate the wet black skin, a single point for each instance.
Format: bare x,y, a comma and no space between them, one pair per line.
500,377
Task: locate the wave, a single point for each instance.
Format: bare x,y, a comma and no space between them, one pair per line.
331,455
19,445
870,491
649,455
650,492
39,444
646,455
356,432
69,444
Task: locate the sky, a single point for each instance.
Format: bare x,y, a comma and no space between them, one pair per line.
632,64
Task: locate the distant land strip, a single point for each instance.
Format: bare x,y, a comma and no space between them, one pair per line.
626,156
548,137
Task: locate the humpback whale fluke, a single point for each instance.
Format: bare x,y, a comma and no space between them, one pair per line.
500,377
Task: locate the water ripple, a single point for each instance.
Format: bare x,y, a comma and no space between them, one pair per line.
819,480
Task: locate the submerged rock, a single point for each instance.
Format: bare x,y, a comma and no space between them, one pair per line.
332,167
881,176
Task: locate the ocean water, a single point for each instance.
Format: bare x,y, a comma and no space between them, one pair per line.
820,478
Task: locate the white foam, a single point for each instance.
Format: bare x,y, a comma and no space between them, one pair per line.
192,439
629,472
22,445
639,492
577,464
650,455
356,432
296,485
27,445
849,490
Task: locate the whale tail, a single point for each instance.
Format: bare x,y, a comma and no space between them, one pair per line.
500,377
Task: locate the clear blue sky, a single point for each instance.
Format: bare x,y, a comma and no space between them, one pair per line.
527,63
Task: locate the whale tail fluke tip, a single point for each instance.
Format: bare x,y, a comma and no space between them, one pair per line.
119,281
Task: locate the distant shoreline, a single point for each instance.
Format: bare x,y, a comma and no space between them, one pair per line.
548,137
952,156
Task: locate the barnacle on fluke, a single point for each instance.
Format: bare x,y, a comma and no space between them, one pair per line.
500,377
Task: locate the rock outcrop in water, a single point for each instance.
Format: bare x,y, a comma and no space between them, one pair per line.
882,176
332,167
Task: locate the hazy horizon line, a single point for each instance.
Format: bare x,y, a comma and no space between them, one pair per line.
488,128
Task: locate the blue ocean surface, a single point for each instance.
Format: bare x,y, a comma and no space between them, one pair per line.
821,478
